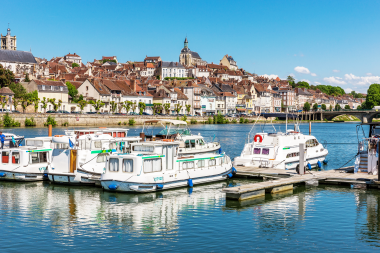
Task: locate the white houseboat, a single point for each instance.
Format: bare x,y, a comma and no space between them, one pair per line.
280,150
157,165
26,163
81,160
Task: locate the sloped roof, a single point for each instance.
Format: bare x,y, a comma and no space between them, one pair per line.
16,56
6,91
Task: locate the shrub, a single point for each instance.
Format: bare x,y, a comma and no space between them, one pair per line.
241,120
225,121
125,123
193,121
50,121
65,123
246,121
119,123
132,122
219,119
177,118
184,118
8,121
234,121
30,122
210,120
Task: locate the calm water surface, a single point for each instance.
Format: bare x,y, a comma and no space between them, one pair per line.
40,216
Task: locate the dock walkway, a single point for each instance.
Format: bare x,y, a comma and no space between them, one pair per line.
277,180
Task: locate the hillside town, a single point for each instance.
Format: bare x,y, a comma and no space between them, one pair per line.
152,85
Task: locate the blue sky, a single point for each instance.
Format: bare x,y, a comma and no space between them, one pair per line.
324,42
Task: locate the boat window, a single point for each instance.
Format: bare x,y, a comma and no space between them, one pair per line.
201,142
192,142
311,143
152,165
114,164
112,145
187,165
16,157
101,158
187,144
36,143
143,148
61,146
96,144
265,151
201,163
212,162
5,156
127,165
218,161
38,157
295,154
257,151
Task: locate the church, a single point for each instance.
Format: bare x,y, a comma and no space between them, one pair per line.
8,42
189,58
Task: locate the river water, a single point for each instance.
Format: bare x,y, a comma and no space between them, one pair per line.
37,217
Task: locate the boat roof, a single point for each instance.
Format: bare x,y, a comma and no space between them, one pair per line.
170,121
156,143
96,137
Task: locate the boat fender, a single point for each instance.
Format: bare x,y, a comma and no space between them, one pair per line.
190,182
325,161
229,175
159,186
2,174
220,150
258,136
45,175
112,187
233,170
309,166
319,164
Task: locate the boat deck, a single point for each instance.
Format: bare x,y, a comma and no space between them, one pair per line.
277,180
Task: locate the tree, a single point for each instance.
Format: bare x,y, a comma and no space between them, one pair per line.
323,107
15,103
359,107
113,106
31,95
25,103
188,108
44,102
373,96
142,106
356,95
337,107
133,106
36,101
82,104
347,107
315,106
303,84
73,65
290,79
306,107
18,90
59,104
156,108
4,101
6,77
73,92
127,105
55,105
120,106
27,78
167,108
177,108
97,105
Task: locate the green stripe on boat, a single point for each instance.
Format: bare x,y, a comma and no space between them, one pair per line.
103,151
39,150
197,159
156,156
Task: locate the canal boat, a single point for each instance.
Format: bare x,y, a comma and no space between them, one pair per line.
280,150
114,132
26,163
81,160
177,130
158,165
12,140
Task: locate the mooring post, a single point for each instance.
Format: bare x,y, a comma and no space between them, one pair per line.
50,131
301,169
309,127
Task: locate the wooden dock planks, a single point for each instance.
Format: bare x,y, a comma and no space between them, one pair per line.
283,180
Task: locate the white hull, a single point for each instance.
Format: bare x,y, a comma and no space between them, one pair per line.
74,178
21,176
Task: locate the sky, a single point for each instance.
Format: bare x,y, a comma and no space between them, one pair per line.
321,42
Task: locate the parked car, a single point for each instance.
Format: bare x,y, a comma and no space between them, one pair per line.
133,113
51,111
75,112
145,113
90,112
15,111
62,111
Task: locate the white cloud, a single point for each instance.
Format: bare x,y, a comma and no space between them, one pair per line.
369,74
305,80
336,71
302,70
272,76
317,83
313,74
348,90
361,80
334,80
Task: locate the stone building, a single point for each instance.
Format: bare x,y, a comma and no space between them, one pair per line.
19,62
74,58
8,42
189,58
228,61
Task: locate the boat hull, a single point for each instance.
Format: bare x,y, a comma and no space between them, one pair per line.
125,186
74,179
21,176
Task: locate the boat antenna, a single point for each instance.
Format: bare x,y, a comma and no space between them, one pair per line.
286,130
249,134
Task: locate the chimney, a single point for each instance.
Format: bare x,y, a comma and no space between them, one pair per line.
133,85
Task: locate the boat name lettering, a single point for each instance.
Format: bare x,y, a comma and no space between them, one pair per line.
157,178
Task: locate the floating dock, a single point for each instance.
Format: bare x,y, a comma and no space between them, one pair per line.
277,180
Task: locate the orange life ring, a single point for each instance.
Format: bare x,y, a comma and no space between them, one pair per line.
258,136
58,135
102,127
168,140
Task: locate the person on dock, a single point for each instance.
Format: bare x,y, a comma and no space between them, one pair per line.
2,138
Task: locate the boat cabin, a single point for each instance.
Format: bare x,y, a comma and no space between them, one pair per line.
114,132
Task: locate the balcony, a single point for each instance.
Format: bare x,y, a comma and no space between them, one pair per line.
107,100
197,107
197,92
116,95
197,98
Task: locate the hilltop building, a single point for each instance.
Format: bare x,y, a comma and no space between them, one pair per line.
189,58
8,42
228,61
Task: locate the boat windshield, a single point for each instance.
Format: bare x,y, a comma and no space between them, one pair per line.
180,131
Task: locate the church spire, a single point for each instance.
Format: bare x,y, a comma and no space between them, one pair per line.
185,43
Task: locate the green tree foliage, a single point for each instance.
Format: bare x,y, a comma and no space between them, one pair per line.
142,106
131,122
25,103
330,90
27,78
55,105
44,102
30,122
18,89
373,96
347,107
97,105
303,84
337,107
291,81
8,121
127,105
36,101
306,107
15,103
106,60
73,92
82,104
356,95
113,106
120,106
4,101
32,95
50,121
167,108
315,106
6,77
323,107
177,108
188,108
73,65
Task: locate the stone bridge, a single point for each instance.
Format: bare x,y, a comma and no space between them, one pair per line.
365,116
